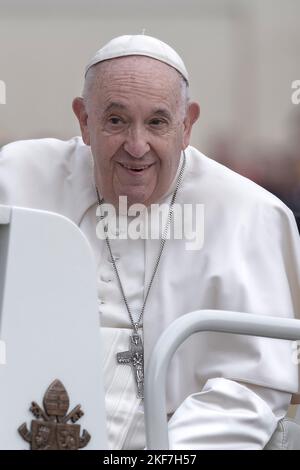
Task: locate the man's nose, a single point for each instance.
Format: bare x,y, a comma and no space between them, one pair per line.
136,143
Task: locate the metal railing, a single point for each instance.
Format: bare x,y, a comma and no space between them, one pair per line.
177,333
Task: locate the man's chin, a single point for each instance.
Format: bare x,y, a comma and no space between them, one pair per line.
135,197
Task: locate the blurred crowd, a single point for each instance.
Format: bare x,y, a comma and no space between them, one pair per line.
276,169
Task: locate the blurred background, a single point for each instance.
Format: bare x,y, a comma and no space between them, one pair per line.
242,57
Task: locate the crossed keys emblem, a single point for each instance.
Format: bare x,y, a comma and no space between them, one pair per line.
53,432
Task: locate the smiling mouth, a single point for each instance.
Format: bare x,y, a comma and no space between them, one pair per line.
135,169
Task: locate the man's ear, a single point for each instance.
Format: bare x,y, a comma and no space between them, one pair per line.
192,114
82,116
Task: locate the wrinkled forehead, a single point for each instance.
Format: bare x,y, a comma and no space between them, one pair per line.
135,74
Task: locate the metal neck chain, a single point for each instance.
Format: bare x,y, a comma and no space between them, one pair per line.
136,325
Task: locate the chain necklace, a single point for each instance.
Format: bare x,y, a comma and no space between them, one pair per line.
135,356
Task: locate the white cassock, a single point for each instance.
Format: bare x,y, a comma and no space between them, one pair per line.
223,391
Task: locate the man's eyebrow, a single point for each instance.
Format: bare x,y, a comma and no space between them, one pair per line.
156,111
114,105
162,112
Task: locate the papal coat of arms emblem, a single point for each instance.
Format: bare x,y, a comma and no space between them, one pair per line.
50,430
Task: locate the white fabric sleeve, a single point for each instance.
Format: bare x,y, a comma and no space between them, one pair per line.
227,415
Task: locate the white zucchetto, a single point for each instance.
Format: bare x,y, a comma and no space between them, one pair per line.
139,44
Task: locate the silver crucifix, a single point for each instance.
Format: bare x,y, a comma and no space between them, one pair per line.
135,358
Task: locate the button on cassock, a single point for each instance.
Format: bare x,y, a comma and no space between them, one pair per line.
105,277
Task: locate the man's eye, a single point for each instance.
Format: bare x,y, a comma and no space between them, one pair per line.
115,120
157,122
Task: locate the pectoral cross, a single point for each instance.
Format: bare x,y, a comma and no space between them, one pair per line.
135,358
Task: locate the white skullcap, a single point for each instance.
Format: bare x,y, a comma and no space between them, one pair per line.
139,44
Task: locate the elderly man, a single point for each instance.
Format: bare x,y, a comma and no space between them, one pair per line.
135,115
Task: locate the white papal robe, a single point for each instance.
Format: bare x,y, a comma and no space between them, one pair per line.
223,391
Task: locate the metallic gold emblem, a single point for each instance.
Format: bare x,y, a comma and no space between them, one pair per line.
53,432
